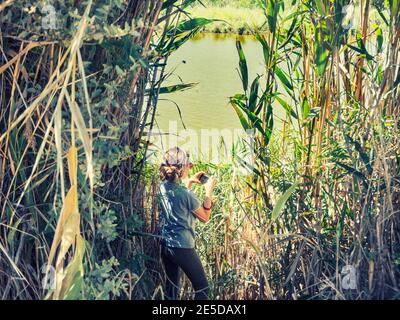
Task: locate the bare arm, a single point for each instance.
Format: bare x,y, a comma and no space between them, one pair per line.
204,213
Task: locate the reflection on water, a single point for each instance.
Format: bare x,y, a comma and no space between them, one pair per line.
211,61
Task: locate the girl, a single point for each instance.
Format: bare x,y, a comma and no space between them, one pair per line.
179,208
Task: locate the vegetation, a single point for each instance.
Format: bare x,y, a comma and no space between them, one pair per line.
233,3
323,199
78,198
79,86
229,18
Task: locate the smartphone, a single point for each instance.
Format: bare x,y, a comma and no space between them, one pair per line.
204,179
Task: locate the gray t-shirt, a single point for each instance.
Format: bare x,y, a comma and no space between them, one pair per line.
177,206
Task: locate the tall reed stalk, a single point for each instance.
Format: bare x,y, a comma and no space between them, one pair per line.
78,99
338,209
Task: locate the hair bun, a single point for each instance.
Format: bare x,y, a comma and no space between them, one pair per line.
170,172
170,169
173,163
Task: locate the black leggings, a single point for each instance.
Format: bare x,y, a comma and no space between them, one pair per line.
176,258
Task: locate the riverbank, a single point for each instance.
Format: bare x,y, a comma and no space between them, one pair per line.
233,20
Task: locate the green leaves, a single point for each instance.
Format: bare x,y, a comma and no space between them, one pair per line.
249,119
175,37
254,93
363,155
242,118
190,25
266,50
272,11
324,41
269,121
395,7
321,53
248,105
124,54
379,38
320,7
305,107
356,173
361,49
291,32
177,87
278,209
169,3
238,105
242,66
284,79
287,107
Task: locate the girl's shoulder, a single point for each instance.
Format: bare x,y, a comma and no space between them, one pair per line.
171,187
178,189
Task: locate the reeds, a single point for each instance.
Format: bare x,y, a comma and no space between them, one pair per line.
77,99
343,137
323,197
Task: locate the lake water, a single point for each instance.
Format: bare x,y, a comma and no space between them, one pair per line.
211,61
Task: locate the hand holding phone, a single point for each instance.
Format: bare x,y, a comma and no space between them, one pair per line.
210,185
196,178
203,179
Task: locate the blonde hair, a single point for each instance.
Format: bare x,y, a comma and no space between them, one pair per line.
174,161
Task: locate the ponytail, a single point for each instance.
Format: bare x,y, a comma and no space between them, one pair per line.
175,160
171,173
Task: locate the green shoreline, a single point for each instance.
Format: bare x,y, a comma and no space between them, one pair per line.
234,20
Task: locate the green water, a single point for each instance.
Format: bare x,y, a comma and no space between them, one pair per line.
211,61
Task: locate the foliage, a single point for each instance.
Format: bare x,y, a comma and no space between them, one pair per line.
229,18
323,71
83,91
79,100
